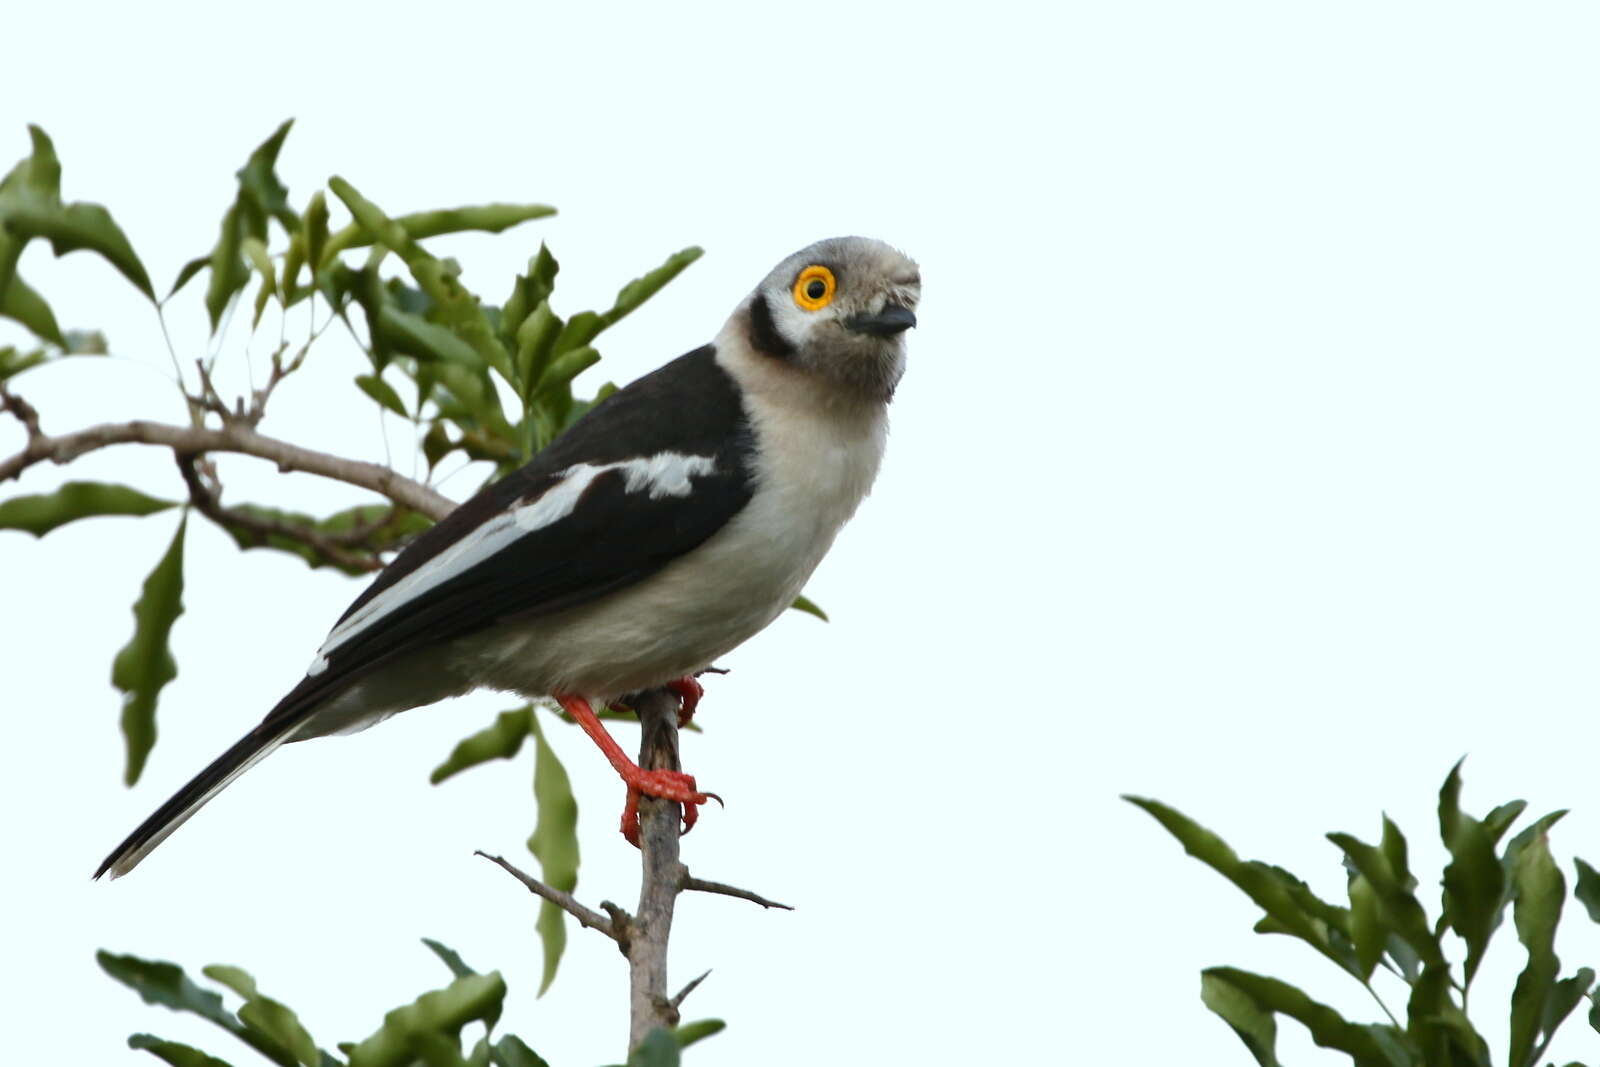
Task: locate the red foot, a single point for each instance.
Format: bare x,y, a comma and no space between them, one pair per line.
689,693
668,785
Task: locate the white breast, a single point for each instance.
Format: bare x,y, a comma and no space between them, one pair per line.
814,461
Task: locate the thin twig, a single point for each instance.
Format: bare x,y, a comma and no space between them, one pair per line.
25,412
701,885
677,1001
565,901
235,437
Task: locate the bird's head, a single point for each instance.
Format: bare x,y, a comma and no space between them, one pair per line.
839,309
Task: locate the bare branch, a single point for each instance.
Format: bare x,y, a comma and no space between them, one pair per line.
677,1001
233,437
24,411
701,885
663,873
565,901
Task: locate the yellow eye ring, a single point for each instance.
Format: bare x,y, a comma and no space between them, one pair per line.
813,290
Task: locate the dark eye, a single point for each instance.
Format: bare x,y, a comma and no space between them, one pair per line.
816,289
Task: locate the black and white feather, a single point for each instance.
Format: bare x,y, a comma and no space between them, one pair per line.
674,521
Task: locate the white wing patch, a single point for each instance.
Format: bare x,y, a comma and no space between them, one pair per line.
664,474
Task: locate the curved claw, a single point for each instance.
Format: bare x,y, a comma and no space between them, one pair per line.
666,785
689,693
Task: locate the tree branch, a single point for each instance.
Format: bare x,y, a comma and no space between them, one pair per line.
649,1004
701,885
233,437
207,499
565,901
24,411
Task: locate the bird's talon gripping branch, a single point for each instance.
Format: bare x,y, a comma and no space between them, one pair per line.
668,785
688,692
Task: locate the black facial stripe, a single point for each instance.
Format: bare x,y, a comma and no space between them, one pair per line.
764,335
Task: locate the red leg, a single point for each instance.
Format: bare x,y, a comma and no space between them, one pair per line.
668,785
689,693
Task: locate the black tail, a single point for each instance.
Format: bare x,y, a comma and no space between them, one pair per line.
250,750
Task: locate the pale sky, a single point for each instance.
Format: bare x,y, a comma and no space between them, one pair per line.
1246,459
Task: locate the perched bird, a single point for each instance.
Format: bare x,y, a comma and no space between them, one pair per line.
671,523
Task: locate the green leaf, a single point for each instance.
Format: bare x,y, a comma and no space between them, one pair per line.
13,361
451,958
315,228
1286,900
1327,1027
38,514
419,337
234,978
536,333
39,175
80,227
20,303
1473,881
502,739
432,1023
293,260
1386,869
158,982
1565,997
1587,890
258,181
388,530
173,1052
1498,821
658,1049
1540,891
699,1030
228,271
436,444
806,605
276,1022
374,225
643,288
383,393
1437,1025
145,663
1253,1024
490,218
163,983
186,273
1367,929
510,1051
255,253
554,844
1513,852
558,375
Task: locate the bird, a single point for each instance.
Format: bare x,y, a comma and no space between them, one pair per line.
671,523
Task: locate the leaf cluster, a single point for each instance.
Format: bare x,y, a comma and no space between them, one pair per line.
428,1031
493,382
1384,924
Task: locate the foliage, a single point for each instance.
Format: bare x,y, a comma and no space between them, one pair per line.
490,382
1386,925
428,1030
438,354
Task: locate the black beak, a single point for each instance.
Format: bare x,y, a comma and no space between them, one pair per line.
891,320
